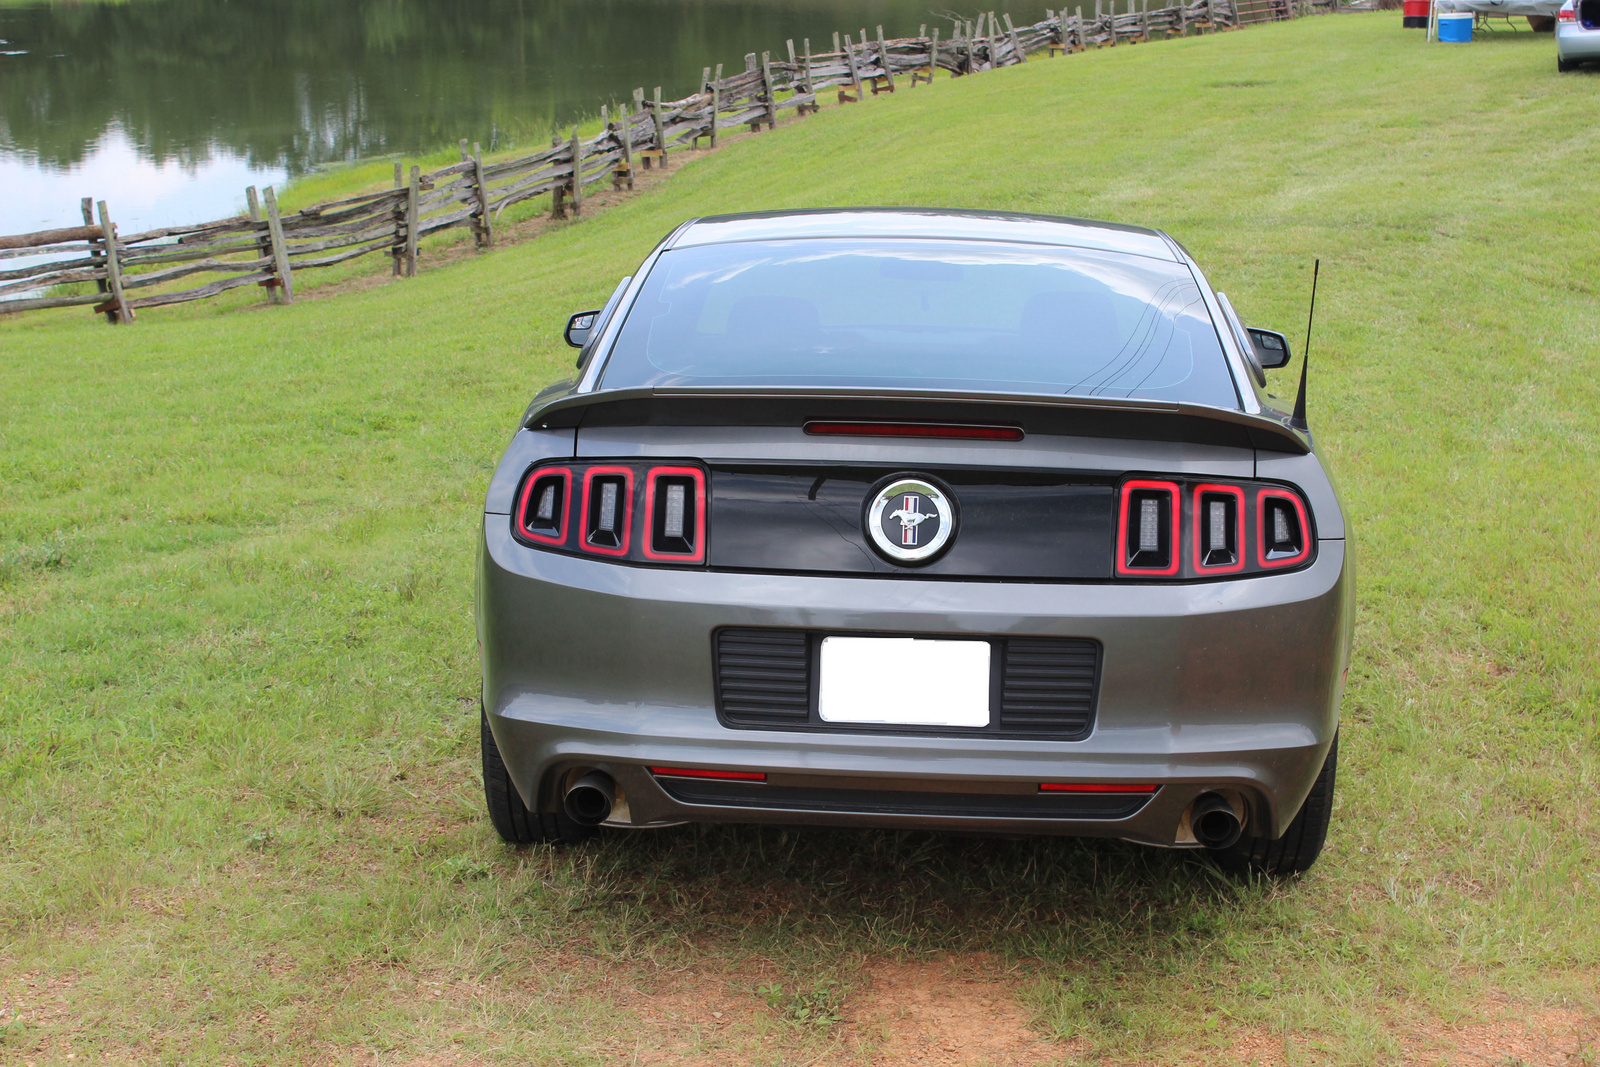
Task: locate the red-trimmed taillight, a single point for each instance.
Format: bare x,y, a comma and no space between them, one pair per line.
1148,528
542,511
1283,534
703,772
607,510
957,431
1218,529
675,514
1096,787
1567,15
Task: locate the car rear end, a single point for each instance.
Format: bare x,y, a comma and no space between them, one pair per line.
1139,612
1577,33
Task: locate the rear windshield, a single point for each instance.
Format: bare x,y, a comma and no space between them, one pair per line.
922,314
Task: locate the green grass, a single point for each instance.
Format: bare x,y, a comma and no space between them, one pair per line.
239,814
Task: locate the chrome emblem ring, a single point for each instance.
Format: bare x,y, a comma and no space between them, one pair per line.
910,520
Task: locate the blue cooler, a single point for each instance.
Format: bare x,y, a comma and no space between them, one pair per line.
1455,26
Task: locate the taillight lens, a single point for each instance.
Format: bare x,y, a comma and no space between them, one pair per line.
1147,528
630,510
1567,15
542,511
1283,535
1218,533
607,510
1185,530
675,514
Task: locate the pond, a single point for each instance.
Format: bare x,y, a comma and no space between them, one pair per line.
167,109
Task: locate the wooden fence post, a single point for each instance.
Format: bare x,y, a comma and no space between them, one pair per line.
750,67
118,302
797,77
810,83
263,241
1016,45
483,231
577,173
933,61
397,256
766,85
705,90
1144,20
625,134
280,248
661,129
855,73
883,60
97,256
413,219
716,102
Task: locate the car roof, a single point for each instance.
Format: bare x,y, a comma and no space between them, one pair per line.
926,223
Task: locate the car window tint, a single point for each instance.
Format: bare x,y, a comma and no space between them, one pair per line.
924,314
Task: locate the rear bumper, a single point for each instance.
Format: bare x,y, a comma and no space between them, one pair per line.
1231,685
1575,42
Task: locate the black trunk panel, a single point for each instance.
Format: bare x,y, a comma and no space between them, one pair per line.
1012,524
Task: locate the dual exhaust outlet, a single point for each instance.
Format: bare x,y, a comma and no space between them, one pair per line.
589,800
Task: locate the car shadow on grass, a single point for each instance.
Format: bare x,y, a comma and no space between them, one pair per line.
885,891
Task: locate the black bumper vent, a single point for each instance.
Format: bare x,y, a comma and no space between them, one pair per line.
1047,686
896,802
1042,687
764,677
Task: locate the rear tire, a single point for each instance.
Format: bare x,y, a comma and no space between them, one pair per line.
1564,65
1301,843
512,820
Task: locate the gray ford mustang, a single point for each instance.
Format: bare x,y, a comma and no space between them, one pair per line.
937,519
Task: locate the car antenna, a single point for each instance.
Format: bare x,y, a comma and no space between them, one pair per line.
1298,419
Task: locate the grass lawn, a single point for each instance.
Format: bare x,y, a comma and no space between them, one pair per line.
240,817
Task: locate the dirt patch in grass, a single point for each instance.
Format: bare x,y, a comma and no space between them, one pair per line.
945,1013
1511,1035
1502,1034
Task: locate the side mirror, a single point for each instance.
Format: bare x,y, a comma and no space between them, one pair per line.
580,326
1272,348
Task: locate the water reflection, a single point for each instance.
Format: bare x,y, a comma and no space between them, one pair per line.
240,90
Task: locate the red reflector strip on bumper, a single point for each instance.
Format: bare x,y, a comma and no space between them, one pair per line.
917,429
1098,787
696,772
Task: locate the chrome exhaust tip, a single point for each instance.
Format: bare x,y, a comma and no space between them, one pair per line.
589,800
1214,822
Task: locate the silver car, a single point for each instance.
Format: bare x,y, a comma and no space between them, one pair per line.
951,520
1577,33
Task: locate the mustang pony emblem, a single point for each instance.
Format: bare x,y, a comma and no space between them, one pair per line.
909,520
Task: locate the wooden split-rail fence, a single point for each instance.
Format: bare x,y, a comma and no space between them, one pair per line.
268,248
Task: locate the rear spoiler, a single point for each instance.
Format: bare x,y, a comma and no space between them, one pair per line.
1139,420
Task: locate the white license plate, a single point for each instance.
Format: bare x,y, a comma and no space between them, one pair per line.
904,681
